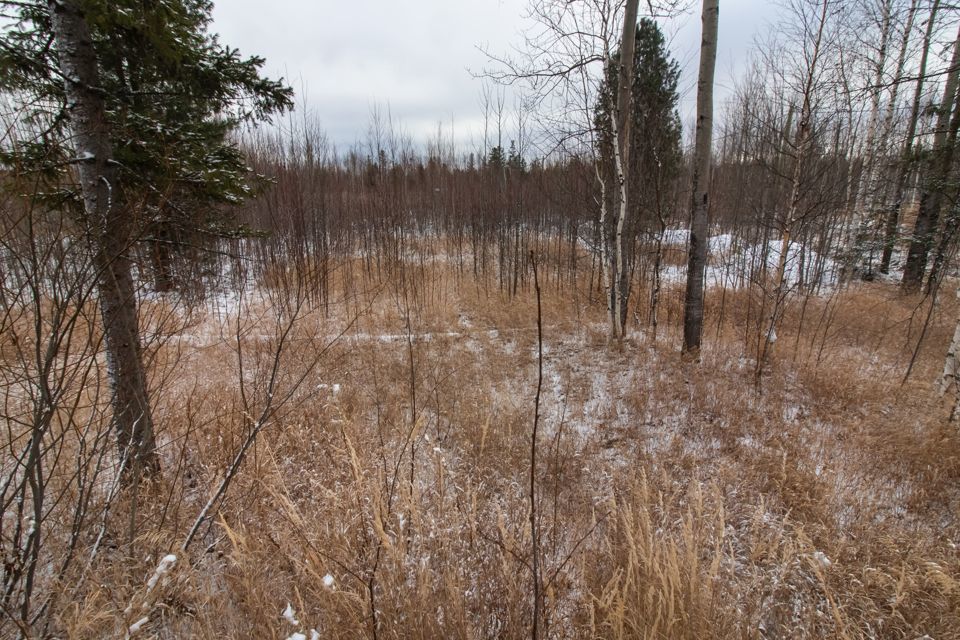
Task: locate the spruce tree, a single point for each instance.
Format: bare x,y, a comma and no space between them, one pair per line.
497,159
515,161
655,155
130,105
655,132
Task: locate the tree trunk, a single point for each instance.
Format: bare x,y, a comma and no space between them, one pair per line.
896,80
948,237
605,271
950,378
866,193
906,159
109,232
700,182
621,158
935,178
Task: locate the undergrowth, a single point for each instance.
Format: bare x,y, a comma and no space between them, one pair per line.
387,497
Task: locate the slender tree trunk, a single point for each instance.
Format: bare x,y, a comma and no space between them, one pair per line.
866,193
700,182
935,178
950,378
896,81
109,231
657,262
951,368
621,157
906,160
605,249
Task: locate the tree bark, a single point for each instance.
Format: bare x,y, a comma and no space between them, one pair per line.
109,233
937,173
700,182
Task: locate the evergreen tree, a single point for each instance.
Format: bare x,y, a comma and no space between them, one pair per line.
497,160
655,154
173,95
515,161
131,105
655,133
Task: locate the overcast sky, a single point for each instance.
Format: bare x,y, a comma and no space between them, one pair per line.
345,56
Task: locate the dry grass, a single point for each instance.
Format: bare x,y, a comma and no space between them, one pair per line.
675,501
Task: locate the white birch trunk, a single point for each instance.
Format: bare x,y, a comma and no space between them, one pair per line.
950,378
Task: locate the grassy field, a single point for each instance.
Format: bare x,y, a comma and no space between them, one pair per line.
388,493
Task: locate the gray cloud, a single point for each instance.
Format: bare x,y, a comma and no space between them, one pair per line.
346,56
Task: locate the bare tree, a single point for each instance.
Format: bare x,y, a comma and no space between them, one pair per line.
815,38
700,180
934,181
877,62
905,165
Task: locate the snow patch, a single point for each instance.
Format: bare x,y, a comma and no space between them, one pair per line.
821,558
166,564
291,616
136,626
735,264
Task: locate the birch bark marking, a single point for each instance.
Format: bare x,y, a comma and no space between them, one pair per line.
950,378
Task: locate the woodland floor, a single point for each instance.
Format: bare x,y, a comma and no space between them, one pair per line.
389,496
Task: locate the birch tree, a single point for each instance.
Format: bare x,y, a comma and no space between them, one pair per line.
623,119
877,62
936,173
905,165
950,378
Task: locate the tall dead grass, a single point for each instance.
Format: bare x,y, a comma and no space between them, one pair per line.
388,498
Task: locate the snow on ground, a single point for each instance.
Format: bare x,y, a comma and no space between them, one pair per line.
290,615
718,243
735,264
732,264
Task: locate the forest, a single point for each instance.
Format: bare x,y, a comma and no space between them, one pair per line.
602,373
